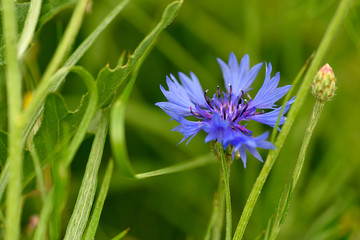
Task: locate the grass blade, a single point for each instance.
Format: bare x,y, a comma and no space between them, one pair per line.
84,201
121,235
95,216
29,27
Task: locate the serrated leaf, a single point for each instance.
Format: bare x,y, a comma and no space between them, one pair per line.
109,79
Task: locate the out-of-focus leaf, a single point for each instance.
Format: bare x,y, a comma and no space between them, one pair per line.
3,147
109,80
21,12
3,104
52,7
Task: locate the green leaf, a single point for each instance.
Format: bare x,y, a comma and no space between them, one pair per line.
84,201
71,61
109,80
95,216
21,12
57,120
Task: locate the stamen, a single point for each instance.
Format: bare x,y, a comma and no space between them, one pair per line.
245,108
207,99
193,113
218,91
237,115
242,94
230,89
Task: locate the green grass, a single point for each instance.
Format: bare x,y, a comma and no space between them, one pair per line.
174,204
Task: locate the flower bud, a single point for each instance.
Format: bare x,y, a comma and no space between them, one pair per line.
324,84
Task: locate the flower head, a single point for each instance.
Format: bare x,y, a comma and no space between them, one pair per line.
223,115
324,84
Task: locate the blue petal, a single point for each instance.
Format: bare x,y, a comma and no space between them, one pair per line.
242,142
269,93
238,75
188,128
217,129
243,155
179,100
270,118
193,89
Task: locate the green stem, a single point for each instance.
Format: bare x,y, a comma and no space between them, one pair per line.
13,84
333,27
214,228
288,96
219,217
318,107
226,167
286,195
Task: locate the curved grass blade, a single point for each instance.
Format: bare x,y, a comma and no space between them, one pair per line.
29,27
95,216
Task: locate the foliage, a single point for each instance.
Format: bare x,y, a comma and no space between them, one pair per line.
106,126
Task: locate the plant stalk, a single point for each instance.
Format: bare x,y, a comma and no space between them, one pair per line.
333,27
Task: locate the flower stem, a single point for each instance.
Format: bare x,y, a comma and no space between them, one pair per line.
226,174
333,27
13,84
288,190
318,107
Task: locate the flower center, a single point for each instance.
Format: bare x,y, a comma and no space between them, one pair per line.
231,107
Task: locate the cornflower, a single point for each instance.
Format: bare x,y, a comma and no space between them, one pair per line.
224,115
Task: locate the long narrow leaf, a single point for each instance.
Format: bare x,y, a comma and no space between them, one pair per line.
95,216
84,201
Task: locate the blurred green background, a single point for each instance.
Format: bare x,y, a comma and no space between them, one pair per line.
326,204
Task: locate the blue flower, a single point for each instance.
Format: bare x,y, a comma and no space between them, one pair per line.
224,115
